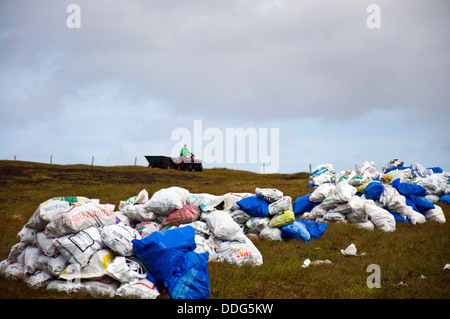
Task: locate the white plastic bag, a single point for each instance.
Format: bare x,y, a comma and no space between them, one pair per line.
138,213
144,289
223,226
118,237
256,224
54,266
45,244
268,194
240,253
78,248
343,193
146,228
140,198
321,192
435,214
271,233
164,201
28,235
284,203
80,217
45,212
126,269
380,217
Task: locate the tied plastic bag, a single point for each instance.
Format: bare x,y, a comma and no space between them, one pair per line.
140,198
407,189
78,248
80,217
303,204
187,214
223,226
118,238
254,206
45,212
144,289
284,203
255,224
164,201
283,218
343,193
239,253
170,258
268,194
380,217
321,174
321,192
146,228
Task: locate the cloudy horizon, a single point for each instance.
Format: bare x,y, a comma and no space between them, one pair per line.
117,87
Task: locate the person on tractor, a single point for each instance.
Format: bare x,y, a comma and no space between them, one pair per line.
185,151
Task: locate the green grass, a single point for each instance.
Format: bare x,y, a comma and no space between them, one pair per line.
403,255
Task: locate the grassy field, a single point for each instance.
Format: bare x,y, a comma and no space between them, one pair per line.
413,255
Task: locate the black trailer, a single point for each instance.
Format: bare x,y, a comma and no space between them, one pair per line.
184,163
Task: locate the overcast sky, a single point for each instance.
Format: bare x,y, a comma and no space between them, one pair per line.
117,87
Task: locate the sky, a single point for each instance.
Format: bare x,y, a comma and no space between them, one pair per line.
117,80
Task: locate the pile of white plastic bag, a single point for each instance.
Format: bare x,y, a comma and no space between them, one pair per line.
161,244
73,244
370,198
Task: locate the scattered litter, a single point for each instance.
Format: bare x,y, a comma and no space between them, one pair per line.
307,262
401,283
351,251
447,266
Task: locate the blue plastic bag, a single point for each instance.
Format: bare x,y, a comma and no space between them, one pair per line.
445,199
315,229
170,258
303,229
436,170
373,191
407,189
191,280
254,206
410,203
295,230
423,204
303,204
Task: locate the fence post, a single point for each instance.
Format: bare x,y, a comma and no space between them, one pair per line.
14,158
135,160
51,158
92,160
310,169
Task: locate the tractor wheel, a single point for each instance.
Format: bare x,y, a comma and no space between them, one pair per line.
188,167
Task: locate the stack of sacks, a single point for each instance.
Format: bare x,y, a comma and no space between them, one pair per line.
270,216
398,193
75,243
321,174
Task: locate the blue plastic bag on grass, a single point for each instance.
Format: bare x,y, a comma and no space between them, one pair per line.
191,280
303,229
303,204
445,199
407,189
423,204
295,230
315,229
170,258
254,206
